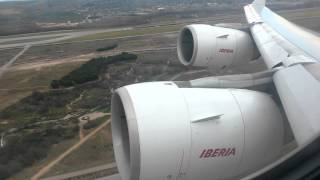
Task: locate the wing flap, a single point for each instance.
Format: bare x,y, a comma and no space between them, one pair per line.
252,15
299,92
282,43
275,41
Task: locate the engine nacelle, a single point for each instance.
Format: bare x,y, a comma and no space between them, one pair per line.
215,47
161,131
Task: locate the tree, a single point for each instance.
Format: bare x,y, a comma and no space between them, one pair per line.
4,172
91,70
55,84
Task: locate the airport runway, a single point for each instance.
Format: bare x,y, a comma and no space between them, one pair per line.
14,41
9,42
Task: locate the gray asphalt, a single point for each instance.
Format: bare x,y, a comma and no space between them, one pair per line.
51,37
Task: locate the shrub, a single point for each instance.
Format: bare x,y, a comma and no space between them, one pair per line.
4,172
90,125
107,48
40,104
23,151
91,70
55,84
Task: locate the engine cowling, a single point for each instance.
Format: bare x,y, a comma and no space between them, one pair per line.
161,131
215,47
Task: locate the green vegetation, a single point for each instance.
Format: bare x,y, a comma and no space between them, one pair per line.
95,97
311,12
98,150
29,117
22,83
57,17
91,70
24,150
29,79
37,107
29,120
95,123
107,48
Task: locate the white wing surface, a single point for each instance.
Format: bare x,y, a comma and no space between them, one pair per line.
297,51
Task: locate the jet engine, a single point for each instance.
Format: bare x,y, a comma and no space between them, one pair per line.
162,131
215,47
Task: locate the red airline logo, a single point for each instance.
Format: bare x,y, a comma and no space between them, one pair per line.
218,152
223,50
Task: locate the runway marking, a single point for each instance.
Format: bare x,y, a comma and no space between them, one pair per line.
5,67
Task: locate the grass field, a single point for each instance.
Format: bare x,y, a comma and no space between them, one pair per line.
301,13
8,54
15,85
54,152
311,12
133,32
96,151
40,77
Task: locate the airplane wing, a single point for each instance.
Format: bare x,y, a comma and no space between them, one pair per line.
286,45
224,127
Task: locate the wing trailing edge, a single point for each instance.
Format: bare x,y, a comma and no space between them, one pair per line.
259,4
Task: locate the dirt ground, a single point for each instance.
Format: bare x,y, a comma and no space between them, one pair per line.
96,151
